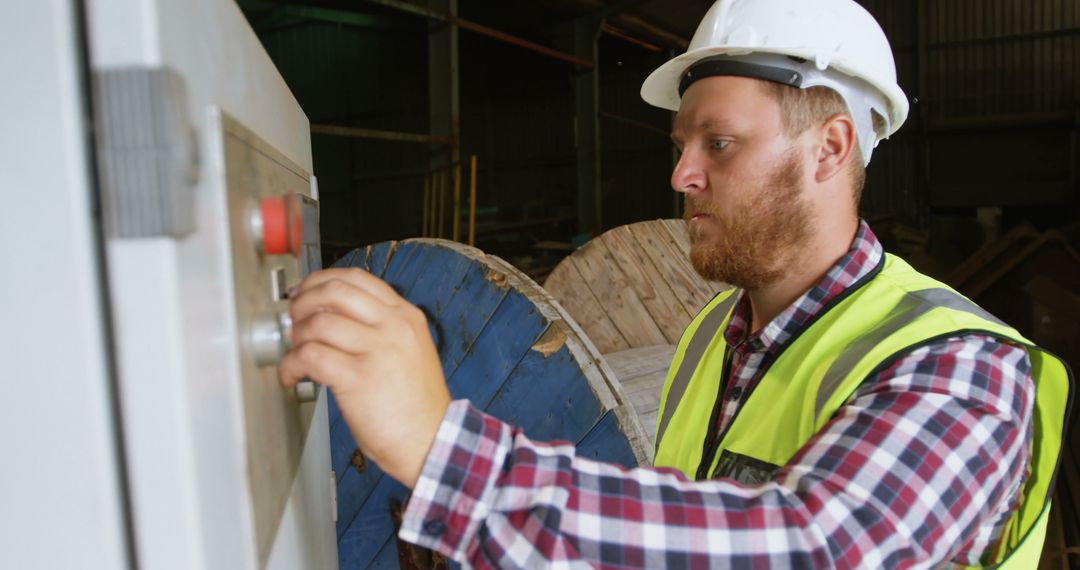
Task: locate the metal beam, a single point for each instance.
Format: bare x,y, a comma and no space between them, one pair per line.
276,12
665,134
618,8
354,19
483,30
617,33
587,127
631,22
444,106
354,132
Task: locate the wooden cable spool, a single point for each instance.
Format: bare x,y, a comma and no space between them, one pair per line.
507,346
633,290
633,286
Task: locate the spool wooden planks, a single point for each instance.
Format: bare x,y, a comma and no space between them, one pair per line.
505,345
633,290
633,286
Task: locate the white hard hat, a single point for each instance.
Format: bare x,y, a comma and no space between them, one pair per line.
803,43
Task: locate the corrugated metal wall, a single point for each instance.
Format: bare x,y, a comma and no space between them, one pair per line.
1001,56
992,103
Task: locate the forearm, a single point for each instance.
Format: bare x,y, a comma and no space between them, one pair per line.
867,491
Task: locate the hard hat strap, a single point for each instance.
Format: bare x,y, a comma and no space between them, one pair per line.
721,66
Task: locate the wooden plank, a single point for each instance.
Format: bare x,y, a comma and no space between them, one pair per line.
387,557
503,342
466,315
355,487
342,446
643,392
641,360
402,259
681,233
569,288
444,269
548,374
666,309
603,443
595,369
659,245
368,533
432,291
642,372
334,412
498,349
615,294
508,347
348,260
379,255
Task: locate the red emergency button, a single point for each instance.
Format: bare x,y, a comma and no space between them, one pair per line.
282,225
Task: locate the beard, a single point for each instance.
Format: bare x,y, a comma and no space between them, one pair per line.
753,244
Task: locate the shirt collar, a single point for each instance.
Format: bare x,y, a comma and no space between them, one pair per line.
862,257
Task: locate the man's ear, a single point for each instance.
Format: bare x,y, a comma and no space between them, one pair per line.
838,142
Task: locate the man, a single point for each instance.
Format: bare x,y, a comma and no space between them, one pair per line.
837,409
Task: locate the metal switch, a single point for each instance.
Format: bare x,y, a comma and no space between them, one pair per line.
270,339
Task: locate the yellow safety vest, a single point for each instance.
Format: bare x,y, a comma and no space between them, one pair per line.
890,312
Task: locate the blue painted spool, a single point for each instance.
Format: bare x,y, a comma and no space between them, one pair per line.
505,345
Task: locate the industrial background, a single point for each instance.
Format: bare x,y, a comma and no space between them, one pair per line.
532,107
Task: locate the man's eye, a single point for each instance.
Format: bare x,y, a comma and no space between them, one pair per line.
719,145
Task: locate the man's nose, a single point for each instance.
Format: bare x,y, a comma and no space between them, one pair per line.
689,174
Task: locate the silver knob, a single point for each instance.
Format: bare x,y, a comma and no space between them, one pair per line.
270,339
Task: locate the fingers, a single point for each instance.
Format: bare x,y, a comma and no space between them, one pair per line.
357,278
337,296
322,363
334,330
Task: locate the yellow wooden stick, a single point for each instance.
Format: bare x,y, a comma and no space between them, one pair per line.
472,201
427,206
457,202
442,204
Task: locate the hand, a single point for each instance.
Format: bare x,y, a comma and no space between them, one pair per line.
353,333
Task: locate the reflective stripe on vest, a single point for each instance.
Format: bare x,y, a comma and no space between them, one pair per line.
709,326
915,304
888,316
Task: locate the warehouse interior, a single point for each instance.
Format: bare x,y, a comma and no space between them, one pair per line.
980,187
990,145
184,166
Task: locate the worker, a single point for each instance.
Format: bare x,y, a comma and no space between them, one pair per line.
835,409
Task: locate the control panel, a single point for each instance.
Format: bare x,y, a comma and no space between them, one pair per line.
274,235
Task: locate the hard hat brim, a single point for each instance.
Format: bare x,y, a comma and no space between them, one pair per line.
661,87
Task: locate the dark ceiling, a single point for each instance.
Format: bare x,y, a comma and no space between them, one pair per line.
662,23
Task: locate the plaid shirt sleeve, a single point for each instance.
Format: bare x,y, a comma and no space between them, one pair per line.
921,466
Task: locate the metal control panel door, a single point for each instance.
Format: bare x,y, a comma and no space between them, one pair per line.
273,229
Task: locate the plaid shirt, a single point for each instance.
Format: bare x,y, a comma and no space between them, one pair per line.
920,467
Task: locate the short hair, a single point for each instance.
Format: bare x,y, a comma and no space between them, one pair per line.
801,109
